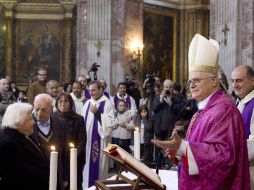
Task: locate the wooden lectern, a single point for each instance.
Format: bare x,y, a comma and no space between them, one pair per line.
146,178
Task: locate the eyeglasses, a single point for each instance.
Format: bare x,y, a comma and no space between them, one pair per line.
197,81
42,74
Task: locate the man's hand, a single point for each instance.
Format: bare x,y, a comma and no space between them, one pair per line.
93,108
121,124
170,146
65,184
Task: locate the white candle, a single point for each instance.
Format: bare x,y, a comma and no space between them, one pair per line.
73,168
53,169
137,143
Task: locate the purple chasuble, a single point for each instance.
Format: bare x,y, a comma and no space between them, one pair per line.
247,114
95,148
127,102
216,137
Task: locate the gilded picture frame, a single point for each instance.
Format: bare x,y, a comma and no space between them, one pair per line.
38,44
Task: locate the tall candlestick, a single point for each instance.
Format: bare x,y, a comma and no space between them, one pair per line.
137,143
73,168
53,169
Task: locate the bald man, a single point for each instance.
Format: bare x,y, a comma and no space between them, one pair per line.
243,84
6,97
48,131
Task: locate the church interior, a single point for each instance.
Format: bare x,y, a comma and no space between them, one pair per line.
123,37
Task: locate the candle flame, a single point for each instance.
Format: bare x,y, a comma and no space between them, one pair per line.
71,145
53,148
137,129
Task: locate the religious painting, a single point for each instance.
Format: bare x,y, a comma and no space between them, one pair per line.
159,43
38,45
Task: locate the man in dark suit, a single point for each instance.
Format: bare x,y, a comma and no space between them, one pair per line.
22,164
48,131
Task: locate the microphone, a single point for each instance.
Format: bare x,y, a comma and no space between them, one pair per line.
158,162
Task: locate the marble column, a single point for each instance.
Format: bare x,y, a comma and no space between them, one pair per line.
67,66
82,34
237,16
104,29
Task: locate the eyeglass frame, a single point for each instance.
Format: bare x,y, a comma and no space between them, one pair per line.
197,81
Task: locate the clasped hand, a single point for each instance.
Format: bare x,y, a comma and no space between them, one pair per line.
93,108
171,146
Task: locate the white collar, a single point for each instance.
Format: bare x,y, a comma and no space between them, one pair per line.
75,98
46,122
101,99
202,104
125,96
248,97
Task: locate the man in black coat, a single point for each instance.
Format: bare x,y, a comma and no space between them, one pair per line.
166,108
23,165
48,131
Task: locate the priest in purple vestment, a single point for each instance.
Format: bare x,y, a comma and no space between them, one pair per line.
99,119
214,153
243,84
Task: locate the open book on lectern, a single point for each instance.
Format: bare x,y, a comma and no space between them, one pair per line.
120,155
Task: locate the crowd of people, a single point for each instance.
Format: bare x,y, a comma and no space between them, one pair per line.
206,132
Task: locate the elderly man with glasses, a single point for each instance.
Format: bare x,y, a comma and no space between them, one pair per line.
214,152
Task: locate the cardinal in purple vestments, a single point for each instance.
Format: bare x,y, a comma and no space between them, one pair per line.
217,141
214,153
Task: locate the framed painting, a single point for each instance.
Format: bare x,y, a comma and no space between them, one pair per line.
38,44
160,43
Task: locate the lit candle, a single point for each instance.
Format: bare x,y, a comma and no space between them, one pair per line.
137,143
73,168
53,169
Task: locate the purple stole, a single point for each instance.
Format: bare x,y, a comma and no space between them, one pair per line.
194,121
87,94
193,124
127,102
106,94
95,148
247,114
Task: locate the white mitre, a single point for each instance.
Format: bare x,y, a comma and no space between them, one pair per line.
203,55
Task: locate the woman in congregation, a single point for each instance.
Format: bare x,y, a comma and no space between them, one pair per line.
22,164
74,131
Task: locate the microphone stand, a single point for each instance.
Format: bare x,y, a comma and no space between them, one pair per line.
158,163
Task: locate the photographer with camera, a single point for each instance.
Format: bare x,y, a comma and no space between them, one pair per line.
166,108
151,88
132,89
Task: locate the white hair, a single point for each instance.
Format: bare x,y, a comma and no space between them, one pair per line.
43,97
168,81
15,113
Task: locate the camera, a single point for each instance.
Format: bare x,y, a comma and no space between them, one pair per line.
94,67
168,93
150,78
129,85
180,132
